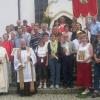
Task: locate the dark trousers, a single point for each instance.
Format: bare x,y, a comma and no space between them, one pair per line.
14,74
68,70
54,66
41,69
93,40
42,73
96,76
61,70
26,91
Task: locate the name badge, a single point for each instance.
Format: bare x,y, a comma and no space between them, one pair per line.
42,60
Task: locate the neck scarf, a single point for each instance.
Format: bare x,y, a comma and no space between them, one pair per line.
54,46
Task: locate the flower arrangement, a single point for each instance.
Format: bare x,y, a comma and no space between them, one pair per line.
47,18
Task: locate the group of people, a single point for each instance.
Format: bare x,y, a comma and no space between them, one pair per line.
38,57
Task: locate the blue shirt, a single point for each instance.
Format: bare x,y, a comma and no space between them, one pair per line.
95,28
17,42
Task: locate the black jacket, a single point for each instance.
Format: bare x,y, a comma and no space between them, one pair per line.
59,50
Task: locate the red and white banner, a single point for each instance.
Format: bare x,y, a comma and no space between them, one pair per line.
85,7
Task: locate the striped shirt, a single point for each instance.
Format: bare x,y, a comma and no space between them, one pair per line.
35,40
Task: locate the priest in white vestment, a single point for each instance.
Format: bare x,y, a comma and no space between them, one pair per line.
24,64
3,70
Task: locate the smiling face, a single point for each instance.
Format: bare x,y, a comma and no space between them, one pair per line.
13,36
73,26
36,30
66,37
66,28
46,37
20,32
41,43
53,38
62,39
5,37
62,20
78,26
24,28
84,38
44,27
8,30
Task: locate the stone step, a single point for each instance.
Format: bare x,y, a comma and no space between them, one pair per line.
58,91
12,90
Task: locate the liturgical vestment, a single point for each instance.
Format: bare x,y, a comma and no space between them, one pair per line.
3,71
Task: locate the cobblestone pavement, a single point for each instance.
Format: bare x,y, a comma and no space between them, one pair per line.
45,97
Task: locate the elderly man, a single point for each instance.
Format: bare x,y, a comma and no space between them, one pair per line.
94,30
25,23
22,34
3,70
45,29
26,35
24,62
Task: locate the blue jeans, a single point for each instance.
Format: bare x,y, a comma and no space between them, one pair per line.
96,76
54,66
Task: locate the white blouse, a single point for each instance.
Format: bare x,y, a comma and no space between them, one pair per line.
42,51
66,47
76,44
83,52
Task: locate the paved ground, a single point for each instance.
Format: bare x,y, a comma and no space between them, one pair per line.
45,97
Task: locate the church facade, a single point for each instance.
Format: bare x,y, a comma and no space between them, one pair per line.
33,11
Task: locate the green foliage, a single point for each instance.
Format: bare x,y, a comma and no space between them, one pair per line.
47,20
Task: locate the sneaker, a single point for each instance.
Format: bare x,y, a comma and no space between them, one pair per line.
40,86
52,86
85,92
45,86
57,86
96,94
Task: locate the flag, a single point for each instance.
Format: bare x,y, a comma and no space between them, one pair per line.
84,7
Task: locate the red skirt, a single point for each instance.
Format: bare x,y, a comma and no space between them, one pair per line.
84,75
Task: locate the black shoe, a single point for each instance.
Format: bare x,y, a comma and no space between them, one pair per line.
95,95
65,86
1,93
22,95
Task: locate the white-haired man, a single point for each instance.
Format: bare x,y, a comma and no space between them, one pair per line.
24,62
